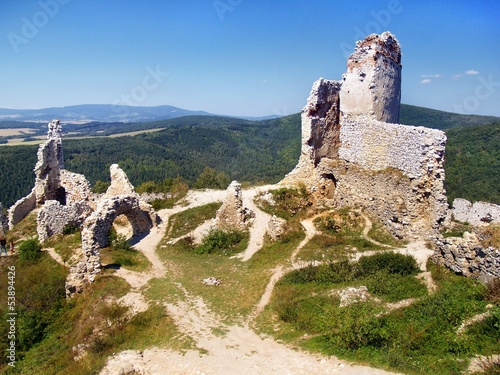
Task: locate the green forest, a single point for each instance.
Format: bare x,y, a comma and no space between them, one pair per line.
248,151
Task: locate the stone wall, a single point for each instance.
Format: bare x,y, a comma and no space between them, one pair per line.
353,153
372,83
477,213
373,145
96,227
54,217
48,166
232,214
22,208
467,256
76,187
47,176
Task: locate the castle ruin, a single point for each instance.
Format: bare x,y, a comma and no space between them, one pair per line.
354,154
64,199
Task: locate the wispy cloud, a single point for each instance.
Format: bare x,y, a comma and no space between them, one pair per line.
425,81
471,72
431,76
457,76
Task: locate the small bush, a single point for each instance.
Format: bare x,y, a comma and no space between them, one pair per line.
29,250
333,272
120,243
390,262
289,201
70,229
359,329
220,241
394,287
493,291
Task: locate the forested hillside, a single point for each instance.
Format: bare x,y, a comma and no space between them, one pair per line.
432,118
248,151
473,163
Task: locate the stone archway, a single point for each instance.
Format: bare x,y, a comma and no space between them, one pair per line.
97,226
95,234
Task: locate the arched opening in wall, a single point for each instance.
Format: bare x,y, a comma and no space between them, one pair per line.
330,184
122,226
61,195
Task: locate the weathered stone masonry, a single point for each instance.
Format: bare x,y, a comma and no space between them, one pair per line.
354,154
64,198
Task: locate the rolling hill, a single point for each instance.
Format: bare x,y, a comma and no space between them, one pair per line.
248,151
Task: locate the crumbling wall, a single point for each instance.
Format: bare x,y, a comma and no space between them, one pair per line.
54,217
477,213
19,210
47,176
372,83
467,256
232,214
276,228
354,154
120,184
96,227
76,187
48,166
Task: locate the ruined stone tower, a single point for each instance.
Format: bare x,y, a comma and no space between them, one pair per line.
353,153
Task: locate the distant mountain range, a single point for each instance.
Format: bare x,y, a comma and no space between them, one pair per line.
104,113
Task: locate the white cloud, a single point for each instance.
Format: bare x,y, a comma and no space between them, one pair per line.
457,76
472,72
431,75
425,81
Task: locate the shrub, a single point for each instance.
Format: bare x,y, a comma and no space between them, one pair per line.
220,241
29,250
290,201
395,287
333,272
119,242
390,262
70,229
493,291
359,328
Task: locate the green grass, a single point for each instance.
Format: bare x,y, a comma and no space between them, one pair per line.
418,339
128,258
65,245
186,221
456,229
242,282
380,234
290,203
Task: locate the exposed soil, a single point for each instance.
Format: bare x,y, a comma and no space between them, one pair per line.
222,348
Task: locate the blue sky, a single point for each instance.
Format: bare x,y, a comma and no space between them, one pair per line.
240,57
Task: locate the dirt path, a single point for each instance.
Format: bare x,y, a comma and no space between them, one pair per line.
258,228
368,227
279,271
224,349
55,255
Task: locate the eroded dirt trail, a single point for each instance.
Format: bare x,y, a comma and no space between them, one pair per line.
221,348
